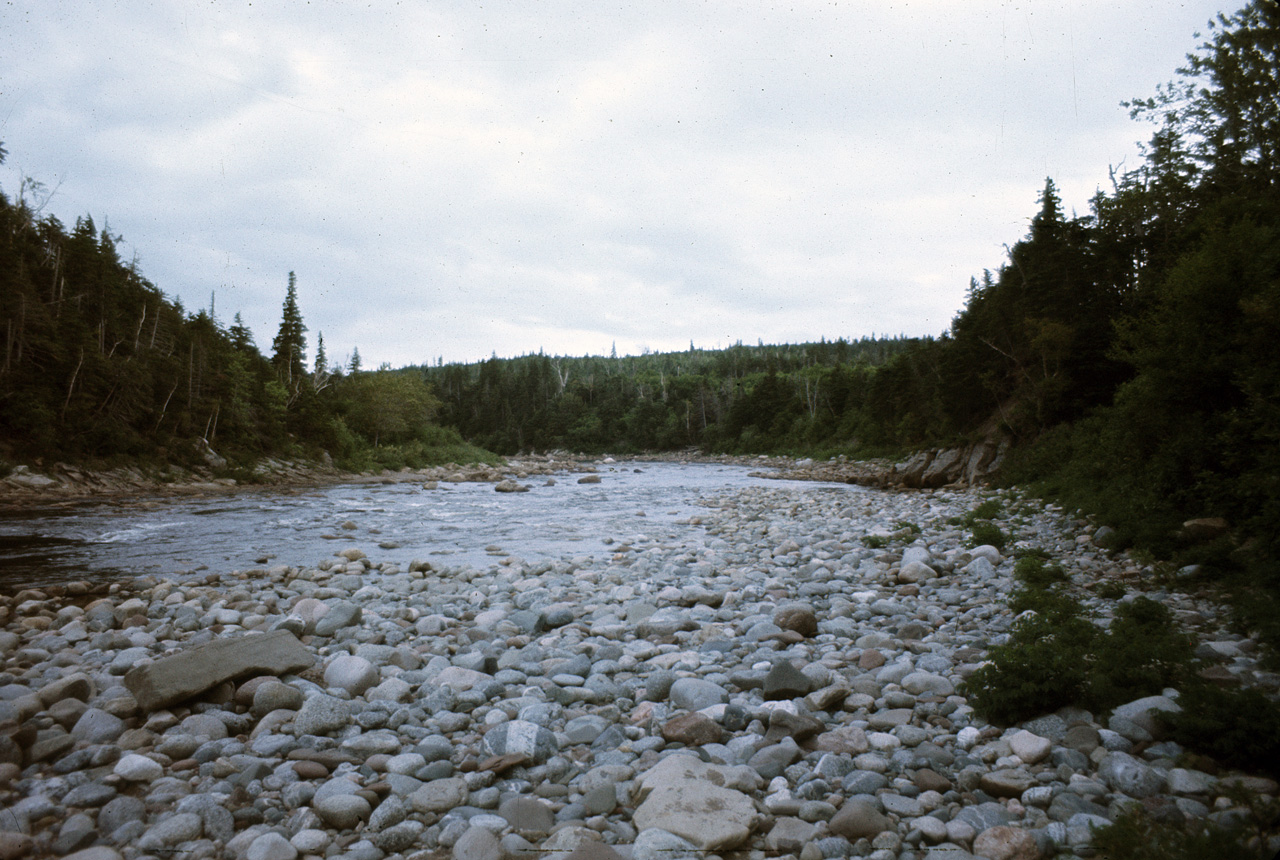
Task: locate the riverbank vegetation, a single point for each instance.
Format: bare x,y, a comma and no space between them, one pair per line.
100,367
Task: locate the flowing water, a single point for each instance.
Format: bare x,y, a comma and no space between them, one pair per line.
455,525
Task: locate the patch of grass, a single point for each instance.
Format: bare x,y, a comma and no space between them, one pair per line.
1043,666
903,525
875,541
988,510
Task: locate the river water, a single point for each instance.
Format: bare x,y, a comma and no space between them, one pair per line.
466,524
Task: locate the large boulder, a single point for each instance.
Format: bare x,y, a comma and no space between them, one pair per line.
697,802
197,670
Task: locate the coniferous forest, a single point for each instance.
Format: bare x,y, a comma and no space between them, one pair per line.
1132,352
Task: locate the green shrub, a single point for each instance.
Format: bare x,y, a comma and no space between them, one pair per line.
1142,653
1053,603
1109,590
988,510
1056,656
1136,836
985,533
875,541
1044,665
1238,727
1031,570
903,525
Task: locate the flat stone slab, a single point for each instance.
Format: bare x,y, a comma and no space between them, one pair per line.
173,679
698,802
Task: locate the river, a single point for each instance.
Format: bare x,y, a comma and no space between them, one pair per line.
454,525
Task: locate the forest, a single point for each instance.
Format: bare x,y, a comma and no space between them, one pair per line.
1129,352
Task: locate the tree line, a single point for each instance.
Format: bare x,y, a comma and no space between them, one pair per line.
743,399
99,366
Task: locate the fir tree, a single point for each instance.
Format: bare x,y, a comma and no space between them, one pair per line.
290,346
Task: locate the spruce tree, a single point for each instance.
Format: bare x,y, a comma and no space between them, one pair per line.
290,346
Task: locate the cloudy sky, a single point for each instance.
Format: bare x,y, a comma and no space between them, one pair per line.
455,179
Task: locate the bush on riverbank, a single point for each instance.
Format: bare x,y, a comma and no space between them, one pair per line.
436,446
1136,835
1056,655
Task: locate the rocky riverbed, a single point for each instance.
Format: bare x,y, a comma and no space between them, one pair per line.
789,685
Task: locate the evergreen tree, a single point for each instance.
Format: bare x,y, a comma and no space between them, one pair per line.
322,361
290,346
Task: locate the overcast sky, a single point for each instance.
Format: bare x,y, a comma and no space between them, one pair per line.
456,179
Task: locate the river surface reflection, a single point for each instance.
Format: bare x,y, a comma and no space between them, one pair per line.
453,525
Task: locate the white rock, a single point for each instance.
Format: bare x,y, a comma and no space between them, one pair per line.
271,846
1031,748
351,673
138,768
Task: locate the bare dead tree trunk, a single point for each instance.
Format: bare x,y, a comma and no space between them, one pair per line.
137,335
165,408
71,386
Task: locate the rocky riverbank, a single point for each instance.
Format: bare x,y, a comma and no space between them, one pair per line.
787,682
62,481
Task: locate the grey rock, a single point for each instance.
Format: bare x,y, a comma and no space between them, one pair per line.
197,670
520,737
173,830
694,694
477,844
528,815
1142,713
342,811
351,673
91,794
399,837
785,681
271,846
859,817
658,844
341,614
120,810
1124,773
96,726
440,795
321,715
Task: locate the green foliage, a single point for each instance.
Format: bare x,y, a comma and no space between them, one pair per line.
875,541
290,345
1043,666
1056,655
909,527
789,399
1142,652
1053,603
988,510
987,533
100,367
1031,570
1134,835
1110,590
1238,727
